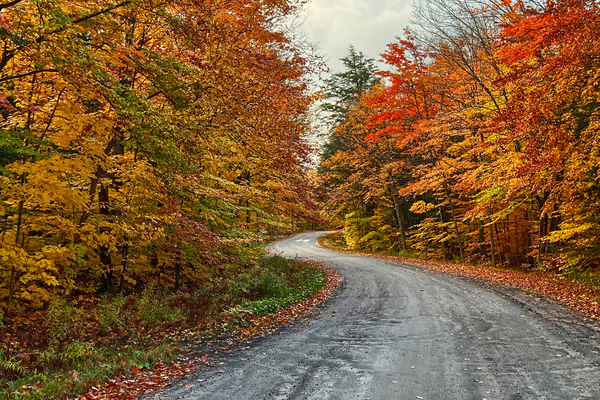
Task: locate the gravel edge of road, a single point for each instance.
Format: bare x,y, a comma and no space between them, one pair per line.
205,357
540,304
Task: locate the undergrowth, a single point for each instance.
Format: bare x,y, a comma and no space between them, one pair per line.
79,343
337,241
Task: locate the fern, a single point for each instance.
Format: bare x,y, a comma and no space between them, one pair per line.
11,365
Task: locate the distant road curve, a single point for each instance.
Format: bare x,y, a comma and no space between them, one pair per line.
399,332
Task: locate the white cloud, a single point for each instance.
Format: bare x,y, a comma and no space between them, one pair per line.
368,25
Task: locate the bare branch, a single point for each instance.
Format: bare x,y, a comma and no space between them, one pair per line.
39,71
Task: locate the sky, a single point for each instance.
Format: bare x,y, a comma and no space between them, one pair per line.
368,25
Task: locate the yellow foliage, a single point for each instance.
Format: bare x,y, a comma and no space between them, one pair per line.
421,207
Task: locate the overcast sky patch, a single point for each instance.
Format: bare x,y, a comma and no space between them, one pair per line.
368,25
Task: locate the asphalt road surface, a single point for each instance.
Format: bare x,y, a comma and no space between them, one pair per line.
399,332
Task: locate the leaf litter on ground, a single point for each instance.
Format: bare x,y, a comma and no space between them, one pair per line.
198,351
578,297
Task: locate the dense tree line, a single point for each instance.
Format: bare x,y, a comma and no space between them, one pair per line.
146,143
480,143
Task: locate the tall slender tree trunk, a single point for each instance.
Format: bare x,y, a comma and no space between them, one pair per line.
248,177
482,252
154,265
13,272
124,254
443,221
394,195
103,252
500,244
96,179
543,233
531,234
456,230
178,268
543,223
491,233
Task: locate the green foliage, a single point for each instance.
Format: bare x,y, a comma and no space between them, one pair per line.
60,319
87,367
273,280
356,228
85,339
111,314
158,308
576,273
307,282
11,365
344,89
75,351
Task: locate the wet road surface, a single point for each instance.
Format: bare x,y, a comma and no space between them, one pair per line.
400,332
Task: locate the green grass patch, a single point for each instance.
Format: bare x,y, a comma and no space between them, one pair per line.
77,344
588,278
305,283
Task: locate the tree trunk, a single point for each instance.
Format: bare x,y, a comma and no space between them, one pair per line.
154,265
103,251
491,232
482,252
178,268
124,253
443,220
248,177
96,179
13,273
394,195
500,244
456,230
543,221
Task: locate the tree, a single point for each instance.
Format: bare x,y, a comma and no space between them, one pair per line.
342,92
144,142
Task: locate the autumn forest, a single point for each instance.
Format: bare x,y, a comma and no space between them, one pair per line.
149,148
479,143
145,142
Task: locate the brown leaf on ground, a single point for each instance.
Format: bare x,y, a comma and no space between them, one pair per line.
159,377
579,298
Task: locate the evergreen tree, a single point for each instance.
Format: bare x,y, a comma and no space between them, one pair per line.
342,92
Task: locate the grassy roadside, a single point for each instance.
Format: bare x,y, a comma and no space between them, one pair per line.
581,296
73,346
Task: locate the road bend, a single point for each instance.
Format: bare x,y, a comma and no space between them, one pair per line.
394,331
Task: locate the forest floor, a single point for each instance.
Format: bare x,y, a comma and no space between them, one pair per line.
120,347
398,331
200,349
579,297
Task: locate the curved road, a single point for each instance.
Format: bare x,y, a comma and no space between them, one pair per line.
399,332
